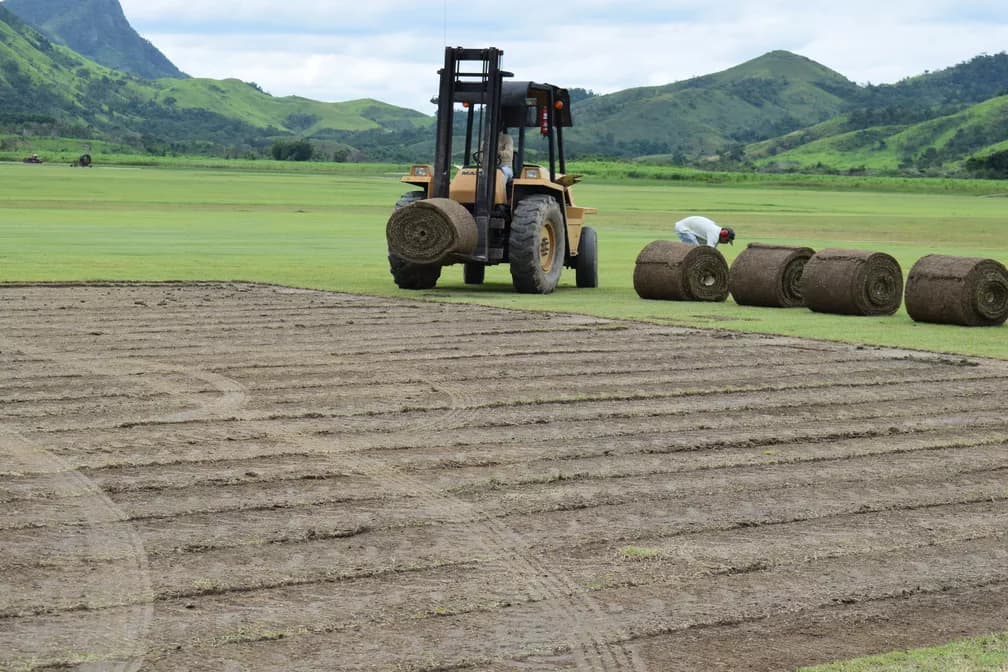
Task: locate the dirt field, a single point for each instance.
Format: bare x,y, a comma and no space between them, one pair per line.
242,477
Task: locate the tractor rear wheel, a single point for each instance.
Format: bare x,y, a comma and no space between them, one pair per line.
537,245
407,274
587,259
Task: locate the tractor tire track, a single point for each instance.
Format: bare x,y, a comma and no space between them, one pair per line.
591,649
124,647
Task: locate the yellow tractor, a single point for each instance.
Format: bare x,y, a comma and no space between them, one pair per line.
486,210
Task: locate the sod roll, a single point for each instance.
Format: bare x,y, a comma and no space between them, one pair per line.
674,271
957,290
768,275
852,282
430,231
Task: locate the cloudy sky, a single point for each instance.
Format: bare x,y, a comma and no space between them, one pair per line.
390,50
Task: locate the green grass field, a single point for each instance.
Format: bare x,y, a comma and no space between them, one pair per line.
323,227
979,654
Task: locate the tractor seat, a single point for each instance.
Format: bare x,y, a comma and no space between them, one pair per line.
568,180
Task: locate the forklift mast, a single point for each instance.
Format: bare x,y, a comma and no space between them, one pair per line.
472,77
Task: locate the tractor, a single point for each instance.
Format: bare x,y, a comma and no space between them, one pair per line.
475,213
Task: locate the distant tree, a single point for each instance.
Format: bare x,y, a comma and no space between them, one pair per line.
298,121
577,95
929,158
734,152
278,151
301,150
994,166
293,150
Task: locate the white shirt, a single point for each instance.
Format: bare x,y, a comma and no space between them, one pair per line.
505,149
706,230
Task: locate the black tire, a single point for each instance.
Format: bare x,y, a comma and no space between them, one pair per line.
474,273
587,260
409,198
409,275
537,245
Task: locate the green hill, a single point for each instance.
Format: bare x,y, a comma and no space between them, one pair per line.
97,29
784,111
973,81
61,92
940,144
780,111
234,98
765,97
39,77
934,123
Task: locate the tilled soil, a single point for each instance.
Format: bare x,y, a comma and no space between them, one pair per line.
243,477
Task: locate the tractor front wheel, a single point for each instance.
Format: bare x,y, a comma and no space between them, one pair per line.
407,274
537,245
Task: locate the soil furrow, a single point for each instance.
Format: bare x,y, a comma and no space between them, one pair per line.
272,471
583,413
147,447
626,518
639,613
308,480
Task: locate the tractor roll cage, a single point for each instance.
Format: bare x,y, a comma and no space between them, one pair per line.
508,104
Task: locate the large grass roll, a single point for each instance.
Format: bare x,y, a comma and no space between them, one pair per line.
430,231
958,290
768,275
674,271
852,282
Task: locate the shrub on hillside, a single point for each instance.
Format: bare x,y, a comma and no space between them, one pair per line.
994,166
292,150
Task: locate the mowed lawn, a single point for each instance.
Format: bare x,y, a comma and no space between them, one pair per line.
326,230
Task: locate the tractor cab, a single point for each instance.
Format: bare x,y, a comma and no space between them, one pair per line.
525,113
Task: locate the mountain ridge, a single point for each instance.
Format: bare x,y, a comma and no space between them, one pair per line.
769,95
99,30
779,111
62,92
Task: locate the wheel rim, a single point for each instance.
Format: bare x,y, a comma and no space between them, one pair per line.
547,247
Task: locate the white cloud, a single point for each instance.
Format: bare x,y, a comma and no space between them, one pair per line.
391,49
